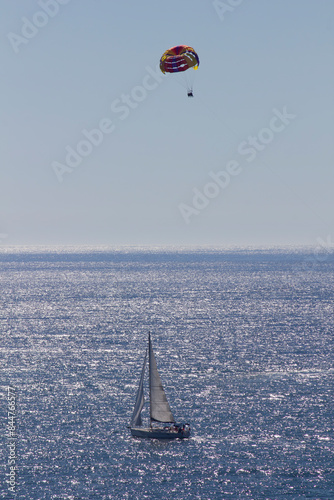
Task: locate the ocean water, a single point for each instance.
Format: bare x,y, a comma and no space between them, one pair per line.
244,345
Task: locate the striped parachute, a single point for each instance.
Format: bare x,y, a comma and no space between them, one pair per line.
178,59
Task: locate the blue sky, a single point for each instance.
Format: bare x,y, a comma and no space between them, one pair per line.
247,161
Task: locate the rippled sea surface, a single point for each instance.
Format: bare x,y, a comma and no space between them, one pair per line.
244,344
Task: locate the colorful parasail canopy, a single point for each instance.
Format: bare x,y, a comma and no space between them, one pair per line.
179,58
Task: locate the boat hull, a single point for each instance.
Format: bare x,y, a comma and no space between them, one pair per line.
159,433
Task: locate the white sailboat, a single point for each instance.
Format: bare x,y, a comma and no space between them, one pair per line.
160,412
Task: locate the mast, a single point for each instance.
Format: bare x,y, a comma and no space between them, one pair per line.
149,373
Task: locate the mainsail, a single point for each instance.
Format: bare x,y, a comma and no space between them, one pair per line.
159,408
136,416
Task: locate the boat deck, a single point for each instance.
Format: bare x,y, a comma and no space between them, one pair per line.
159,433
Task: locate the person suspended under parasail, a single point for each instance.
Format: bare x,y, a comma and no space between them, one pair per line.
177,59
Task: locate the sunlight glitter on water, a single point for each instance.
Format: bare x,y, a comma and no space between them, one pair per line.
244,356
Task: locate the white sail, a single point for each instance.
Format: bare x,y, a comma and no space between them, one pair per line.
159,408
140,400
